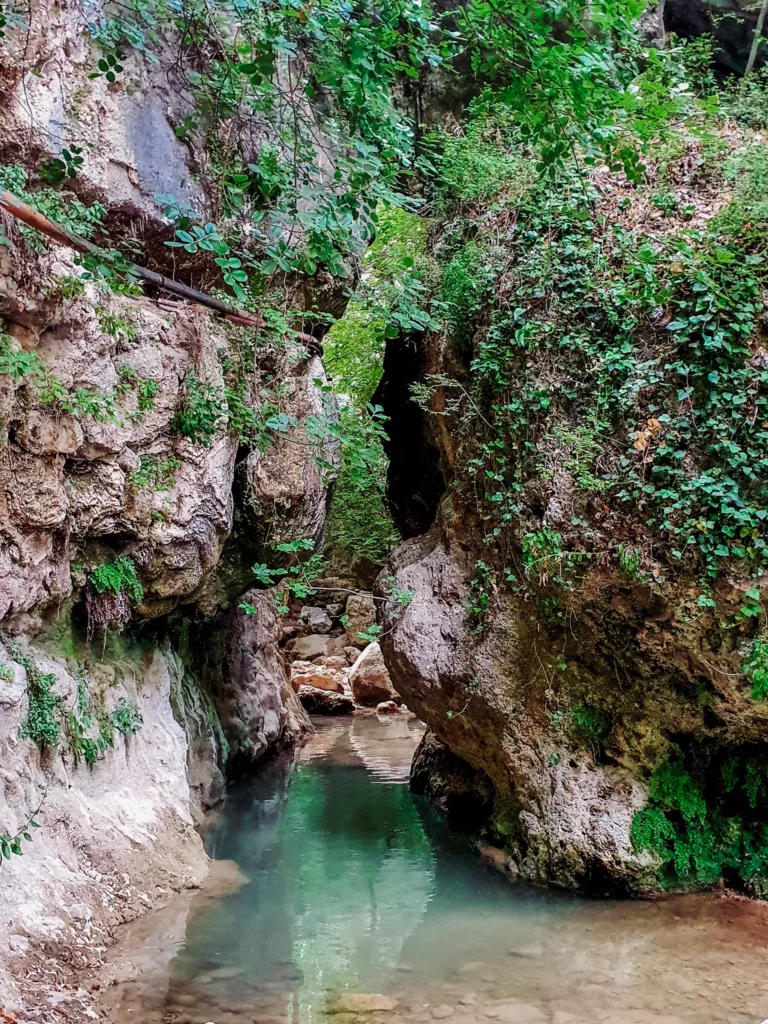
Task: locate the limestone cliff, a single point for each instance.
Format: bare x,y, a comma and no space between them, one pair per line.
587,617
149,451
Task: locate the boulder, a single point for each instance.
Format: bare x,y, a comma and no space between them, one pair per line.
317,619
361,614
369,678
316,645
307,648
324,702
305,673
334,662
352,653
391,707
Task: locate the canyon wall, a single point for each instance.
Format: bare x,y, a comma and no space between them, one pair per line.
130,683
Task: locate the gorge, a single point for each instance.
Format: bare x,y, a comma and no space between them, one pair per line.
476,456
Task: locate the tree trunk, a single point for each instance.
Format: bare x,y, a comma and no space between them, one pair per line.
756,38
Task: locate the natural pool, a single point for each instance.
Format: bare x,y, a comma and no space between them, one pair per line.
351,885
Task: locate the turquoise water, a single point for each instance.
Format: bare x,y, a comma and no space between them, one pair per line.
351,885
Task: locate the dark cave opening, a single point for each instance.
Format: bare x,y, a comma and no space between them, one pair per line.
415,482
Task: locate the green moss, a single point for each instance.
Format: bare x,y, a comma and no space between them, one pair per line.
590,722
707,818
389,301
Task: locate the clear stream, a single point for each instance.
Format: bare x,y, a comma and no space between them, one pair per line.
351,885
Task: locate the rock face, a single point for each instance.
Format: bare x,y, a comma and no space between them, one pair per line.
565,817
245,672
369,678
361,613
114,837
103,469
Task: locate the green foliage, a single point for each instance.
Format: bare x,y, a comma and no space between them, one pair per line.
370,634
82,402
482,590
67,287
155,474
115,326
563,77
707,817
390,301
480,161
63,207
17,363
11,844
629,560
584,444
56,171
6,674
278,214
747,98
542,553
91,730
691,406
202,413
756,668
117,576
464,281
41,724
358,520
127,718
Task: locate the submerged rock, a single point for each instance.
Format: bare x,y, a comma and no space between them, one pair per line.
391,707
360,1002
324,702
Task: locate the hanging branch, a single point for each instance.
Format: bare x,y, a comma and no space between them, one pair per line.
756,38
32,218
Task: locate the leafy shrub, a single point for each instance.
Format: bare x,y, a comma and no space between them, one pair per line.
63,207
202,413
41,725
756,668
118,576
127,718
157,474
485,158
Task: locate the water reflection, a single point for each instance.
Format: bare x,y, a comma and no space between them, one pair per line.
351,884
